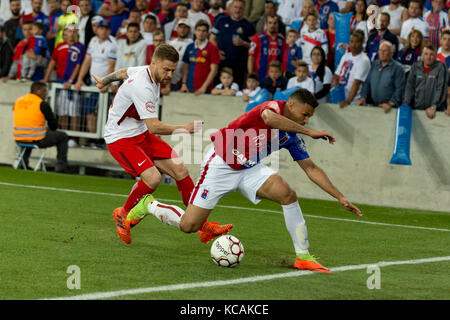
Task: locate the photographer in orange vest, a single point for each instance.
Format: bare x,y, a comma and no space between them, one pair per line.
34,122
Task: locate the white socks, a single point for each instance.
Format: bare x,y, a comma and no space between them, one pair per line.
168,214
296,225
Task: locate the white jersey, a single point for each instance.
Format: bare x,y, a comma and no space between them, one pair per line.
180,46
101,54
307,84
395,17
136,99
309,39
289,10
415,24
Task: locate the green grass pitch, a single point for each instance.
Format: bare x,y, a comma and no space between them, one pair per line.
49,227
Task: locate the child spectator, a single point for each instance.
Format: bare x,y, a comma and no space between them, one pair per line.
412,51
37,52
321,74
301,78
311,36
252,88
274,81
226,87
331,38
307,7
15,70
292,54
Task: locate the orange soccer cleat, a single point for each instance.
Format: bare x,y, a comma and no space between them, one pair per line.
308,262
123,226
210,230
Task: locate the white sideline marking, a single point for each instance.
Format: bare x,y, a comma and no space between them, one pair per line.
184,286
227,207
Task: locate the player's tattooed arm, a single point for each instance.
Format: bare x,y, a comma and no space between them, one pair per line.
118,75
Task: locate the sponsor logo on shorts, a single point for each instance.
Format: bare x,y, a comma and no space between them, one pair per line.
205,193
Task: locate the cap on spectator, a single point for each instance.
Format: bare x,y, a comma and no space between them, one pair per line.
97,19
104,23
184,21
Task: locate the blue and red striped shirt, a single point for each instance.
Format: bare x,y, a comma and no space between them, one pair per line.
67,57
266,49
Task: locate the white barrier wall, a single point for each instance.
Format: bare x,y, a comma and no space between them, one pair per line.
358,163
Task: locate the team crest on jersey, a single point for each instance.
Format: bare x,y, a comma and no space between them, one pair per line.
205,193
326,9
204,52
150,107
239,30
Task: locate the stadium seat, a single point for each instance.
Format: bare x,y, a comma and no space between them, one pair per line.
21,148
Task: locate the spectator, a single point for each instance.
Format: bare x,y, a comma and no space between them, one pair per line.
116,11
320,74
436,19
301,78
36,52
325,7
232,34
85,26
6,53
265,48
12,25
55,12
165,12
385,83
252,88
345,5
180,44
226,87
270,9
396,11
288,10
382,33
181,12
63,21
307,7
37,15
412,51
311,36
426,85
196,13
201,62
254,9
291,54
415,22
149,28
158,38
15,70
34,122
275,81
443,53
352,70
359,18
142,6
100,59
131,51
67,58
133,17
331,39
215,11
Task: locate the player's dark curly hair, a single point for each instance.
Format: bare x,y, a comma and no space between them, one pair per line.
304,96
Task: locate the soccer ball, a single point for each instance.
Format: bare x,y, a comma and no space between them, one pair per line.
227,251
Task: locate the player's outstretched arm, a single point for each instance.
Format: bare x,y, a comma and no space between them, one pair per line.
276,121
320,178
120,74
158,127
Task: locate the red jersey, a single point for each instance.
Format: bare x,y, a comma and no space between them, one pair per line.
241,143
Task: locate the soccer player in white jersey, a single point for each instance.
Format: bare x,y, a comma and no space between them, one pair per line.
234,164
130,134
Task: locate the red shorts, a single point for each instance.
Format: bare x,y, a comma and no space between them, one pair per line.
136,154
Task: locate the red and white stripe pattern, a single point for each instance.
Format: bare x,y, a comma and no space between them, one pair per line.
202,178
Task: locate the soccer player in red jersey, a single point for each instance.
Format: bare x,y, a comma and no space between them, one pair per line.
234,164
130,134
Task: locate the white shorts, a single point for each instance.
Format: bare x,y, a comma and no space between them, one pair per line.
217,179
68,103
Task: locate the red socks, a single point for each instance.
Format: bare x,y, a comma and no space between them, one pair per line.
185,186
139,190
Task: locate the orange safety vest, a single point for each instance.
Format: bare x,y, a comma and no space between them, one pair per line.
29,121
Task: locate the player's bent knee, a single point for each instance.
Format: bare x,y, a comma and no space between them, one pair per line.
151,177
180,171
188,226
289,196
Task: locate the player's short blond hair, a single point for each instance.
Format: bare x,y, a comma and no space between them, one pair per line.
166,52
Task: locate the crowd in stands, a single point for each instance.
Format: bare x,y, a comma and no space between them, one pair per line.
237,47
